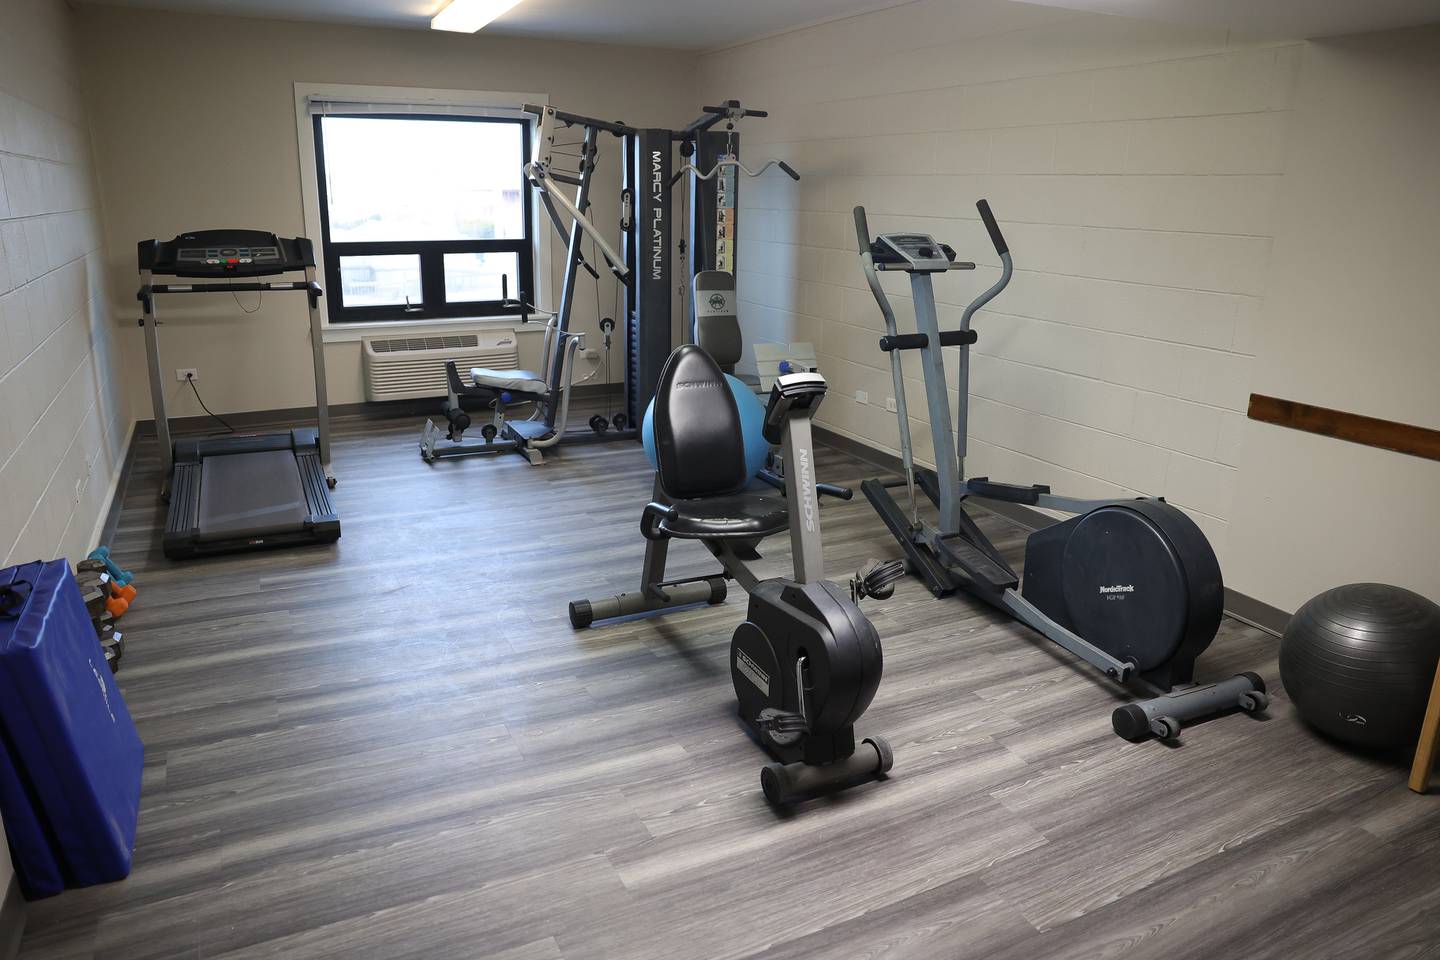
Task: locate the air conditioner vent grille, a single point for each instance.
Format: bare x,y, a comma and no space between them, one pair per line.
463,341
402,368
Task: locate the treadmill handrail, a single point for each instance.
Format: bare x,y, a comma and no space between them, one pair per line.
150,288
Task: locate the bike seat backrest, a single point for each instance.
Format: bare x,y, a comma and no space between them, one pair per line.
699,440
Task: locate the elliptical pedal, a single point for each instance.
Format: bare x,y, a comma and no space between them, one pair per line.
922,561
957,551
1007,492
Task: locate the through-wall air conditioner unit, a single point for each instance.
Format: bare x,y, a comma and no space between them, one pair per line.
403,368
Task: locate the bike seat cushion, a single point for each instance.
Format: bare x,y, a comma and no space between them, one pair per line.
699,438
745,515
518,381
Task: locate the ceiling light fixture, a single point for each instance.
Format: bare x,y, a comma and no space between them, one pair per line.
468,16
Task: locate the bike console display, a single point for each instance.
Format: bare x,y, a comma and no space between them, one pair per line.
225,253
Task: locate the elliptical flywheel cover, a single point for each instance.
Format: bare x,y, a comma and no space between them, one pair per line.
1125,586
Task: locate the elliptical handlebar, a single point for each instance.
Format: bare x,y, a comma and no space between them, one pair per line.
867,260
993,228
1007,268
862,230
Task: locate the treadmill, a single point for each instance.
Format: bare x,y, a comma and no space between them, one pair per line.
249,492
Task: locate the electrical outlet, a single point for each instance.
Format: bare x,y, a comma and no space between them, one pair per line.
861,396
186,373
890,405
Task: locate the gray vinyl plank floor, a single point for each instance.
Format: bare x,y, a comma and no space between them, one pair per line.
397,747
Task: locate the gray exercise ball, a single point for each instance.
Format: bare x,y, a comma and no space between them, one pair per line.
1358,662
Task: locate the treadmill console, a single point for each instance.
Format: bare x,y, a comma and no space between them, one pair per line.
225,253
912,252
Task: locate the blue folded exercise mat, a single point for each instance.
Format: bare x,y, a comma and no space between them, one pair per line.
70,774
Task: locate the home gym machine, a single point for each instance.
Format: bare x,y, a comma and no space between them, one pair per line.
647,326
712,199
1131,586
239,492
806,662
642,264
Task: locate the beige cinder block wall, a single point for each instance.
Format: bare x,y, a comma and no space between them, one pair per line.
195,128
63,418
1134,167
1192,216
1351,321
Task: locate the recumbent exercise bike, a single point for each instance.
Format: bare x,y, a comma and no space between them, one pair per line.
806,662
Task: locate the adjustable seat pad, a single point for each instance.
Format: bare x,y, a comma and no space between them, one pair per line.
519,381
700,453
717,328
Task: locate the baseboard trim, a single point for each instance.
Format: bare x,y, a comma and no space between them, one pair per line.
1256,613
363,410
1242,607
858,449
108,522
299,416
12,920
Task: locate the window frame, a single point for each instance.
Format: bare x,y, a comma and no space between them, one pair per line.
434,305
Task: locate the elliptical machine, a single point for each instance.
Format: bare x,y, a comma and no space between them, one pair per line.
806,662
1131,586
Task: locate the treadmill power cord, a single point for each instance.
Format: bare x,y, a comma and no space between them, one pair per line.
259,301
190,379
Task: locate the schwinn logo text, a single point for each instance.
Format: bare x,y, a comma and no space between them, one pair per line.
807,489
696,384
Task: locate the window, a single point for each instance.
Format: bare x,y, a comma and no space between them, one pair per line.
422,216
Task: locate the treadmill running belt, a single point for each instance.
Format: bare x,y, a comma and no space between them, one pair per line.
250,494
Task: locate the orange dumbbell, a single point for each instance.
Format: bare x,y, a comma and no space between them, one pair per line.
120,599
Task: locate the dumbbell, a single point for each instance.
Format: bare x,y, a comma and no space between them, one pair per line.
120,600
114,647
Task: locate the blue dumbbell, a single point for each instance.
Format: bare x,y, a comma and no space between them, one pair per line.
120,577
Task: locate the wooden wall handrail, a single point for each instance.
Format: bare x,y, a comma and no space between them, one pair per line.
1371,431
